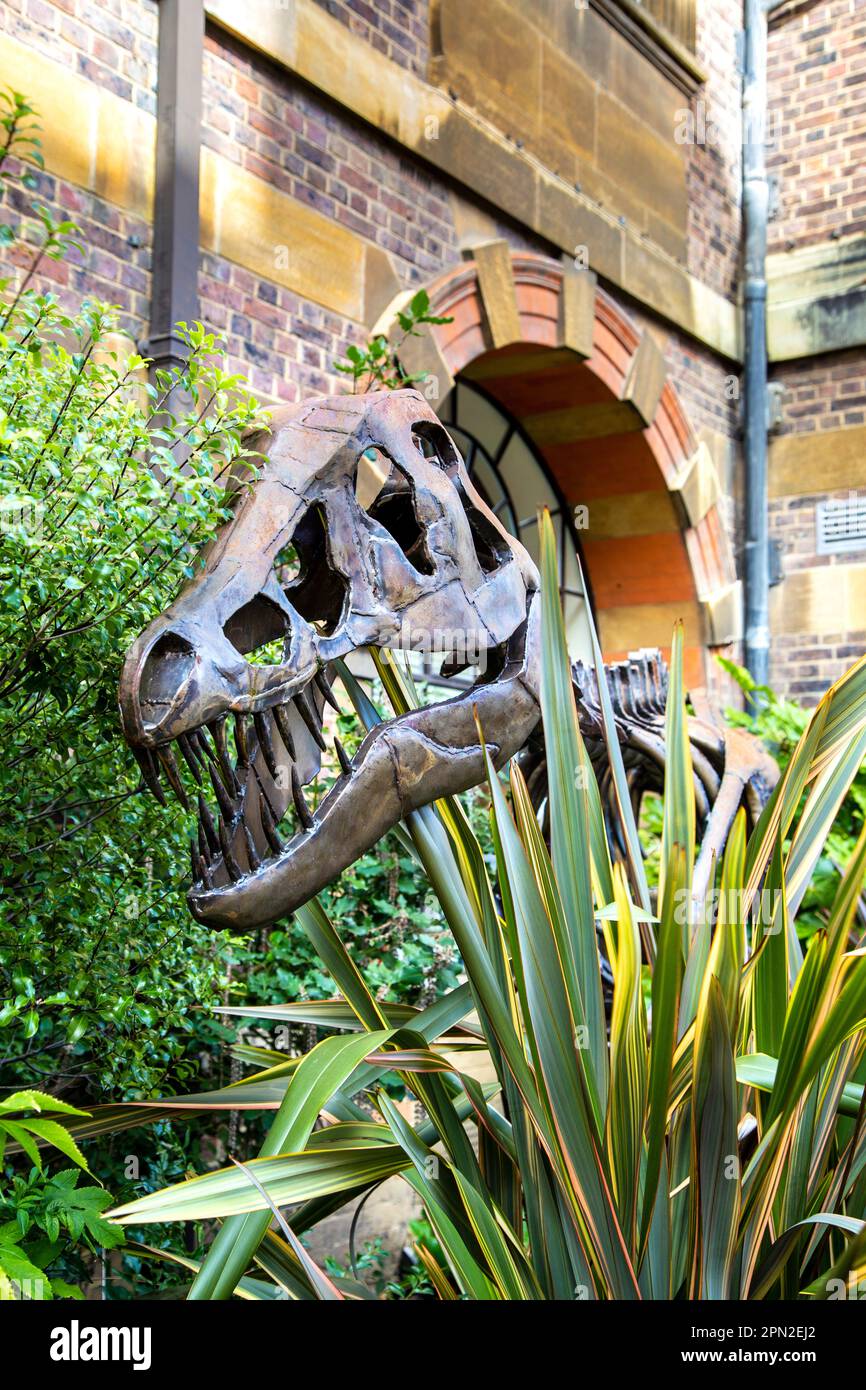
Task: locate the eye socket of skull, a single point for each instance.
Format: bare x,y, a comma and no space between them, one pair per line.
491,547
386,493
317,590
373,469
434,442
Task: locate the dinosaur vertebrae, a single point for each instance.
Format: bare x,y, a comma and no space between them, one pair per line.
638,688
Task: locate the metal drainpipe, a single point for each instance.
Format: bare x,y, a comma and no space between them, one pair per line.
755,207
174,284
755,213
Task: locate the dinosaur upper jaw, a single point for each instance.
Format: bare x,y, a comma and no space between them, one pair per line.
255,860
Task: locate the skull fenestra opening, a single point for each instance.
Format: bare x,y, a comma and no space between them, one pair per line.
362,529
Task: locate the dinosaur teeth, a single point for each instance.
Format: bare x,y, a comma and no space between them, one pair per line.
215,839
285,730
324,686
200,872
234,869
241,739
344,760
306,707
206,822
263,796
224,801
191,756
150,772
218,734
263,732
301,806
252,854
201,746
167,758
270,828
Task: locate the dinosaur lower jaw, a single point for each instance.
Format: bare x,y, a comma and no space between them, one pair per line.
403,764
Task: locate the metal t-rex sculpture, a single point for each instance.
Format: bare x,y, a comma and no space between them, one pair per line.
321,562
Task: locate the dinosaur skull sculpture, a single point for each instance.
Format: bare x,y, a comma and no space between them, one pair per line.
322,563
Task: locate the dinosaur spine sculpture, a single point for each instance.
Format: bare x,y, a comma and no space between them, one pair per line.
364,529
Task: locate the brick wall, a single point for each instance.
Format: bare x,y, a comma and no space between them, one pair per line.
112,265
283,344
817,100
263,119
398,28
820,395
111,42
803,666
817,94
715,159
823,393
285,134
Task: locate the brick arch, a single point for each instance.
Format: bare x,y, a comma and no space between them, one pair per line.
594,395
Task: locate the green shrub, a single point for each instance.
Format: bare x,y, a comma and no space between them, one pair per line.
780,723
43,1220
96,971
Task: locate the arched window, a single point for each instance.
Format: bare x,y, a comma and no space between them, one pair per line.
514,482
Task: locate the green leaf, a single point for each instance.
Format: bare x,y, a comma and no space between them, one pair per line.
666,983
679,796
16,1131
569,820
628,1064
296,1176
50,1132
26,1278
319,1075
558,1050
714,1170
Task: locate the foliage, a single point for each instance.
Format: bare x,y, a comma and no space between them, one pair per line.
377,365
40,1216
50,1218
368,1265
780,724
718,1153
93,933
60,1205
390,923
24,1130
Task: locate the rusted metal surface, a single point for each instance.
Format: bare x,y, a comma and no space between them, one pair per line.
363,529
